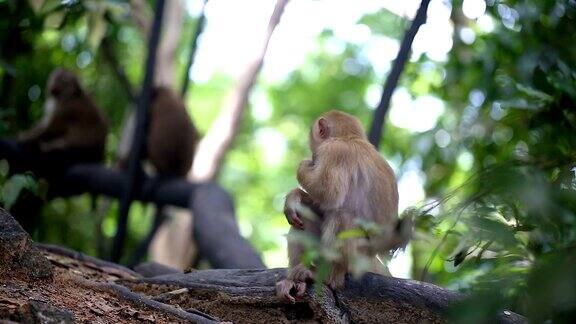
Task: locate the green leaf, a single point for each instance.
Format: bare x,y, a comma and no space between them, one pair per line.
36,5
116,9
385,22
351,233
494,230
96,28
531,92
54,19
309,241
51,6
14,186
4,169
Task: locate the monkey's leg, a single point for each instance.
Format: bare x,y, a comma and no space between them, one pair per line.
294,286
32,134
333,225
340,267
57,144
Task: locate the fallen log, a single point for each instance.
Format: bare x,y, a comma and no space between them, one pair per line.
86,289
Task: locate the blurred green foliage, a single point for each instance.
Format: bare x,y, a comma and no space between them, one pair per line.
16,185
498,219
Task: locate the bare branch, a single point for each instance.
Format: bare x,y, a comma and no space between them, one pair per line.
375,133
172,22
215,144
141,14
193,48
171,31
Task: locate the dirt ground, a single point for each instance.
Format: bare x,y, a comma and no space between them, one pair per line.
70,296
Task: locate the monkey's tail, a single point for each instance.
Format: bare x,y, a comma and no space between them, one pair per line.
402,233
393,238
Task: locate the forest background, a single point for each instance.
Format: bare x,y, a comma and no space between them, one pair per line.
481,130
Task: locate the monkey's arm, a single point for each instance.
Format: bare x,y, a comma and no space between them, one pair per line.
32,135
55,135
59,143
327,178
295,202
49,127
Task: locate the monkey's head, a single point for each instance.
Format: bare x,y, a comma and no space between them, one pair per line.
159,92
335,124
63,84
163,98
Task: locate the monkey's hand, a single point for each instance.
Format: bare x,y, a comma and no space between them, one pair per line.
57,144
294,287
336,280
291,205
286,287
27,136
305,167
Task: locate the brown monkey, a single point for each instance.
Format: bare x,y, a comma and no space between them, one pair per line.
345,180
72,124
170,146
172,137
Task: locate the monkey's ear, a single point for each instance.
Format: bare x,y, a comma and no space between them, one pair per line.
323,129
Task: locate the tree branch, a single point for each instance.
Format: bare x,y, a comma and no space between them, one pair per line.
108,51
375,133
140,134
217,233
213,147
165,73
193,48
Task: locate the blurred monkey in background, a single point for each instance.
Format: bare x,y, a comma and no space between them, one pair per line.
170,147
72,130
172,137
72,127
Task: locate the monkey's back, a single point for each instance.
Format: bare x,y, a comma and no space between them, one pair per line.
172,137
87,127
375,184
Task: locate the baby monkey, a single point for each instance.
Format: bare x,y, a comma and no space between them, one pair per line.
345,180
72,125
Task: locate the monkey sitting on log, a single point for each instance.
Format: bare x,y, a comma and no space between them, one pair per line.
170,146
172,137
73,129
345,180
